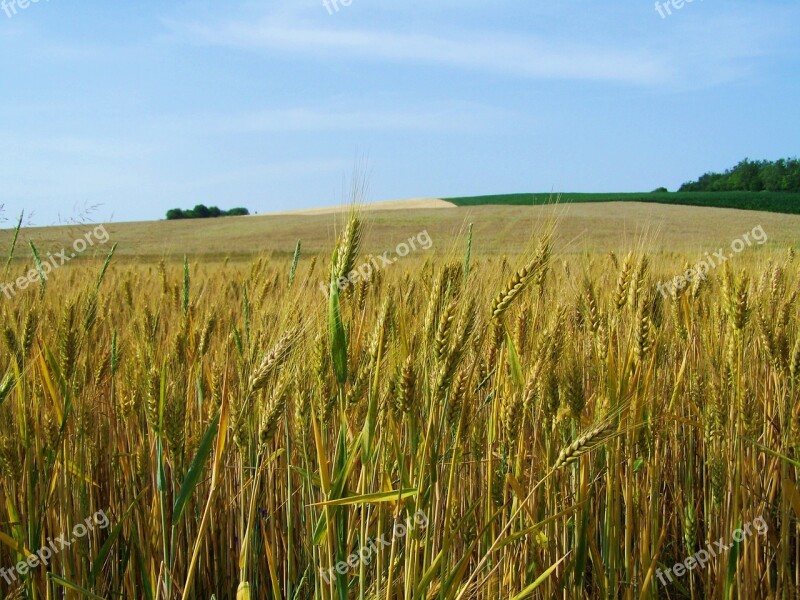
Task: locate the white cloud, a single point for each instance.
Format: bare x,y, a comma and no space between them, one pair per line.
703,46
533,57
451,117
261,173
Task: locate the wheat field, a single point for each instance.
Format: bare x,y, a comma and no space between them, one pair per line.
460,425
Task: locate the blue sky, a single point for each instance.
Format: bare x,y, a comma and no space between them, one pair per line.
137,107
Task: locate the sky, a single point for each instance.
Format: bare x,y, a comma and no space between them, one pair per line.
119,111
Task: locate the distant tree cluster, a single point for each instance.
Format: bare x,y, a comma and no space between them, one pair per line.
751,176
201,211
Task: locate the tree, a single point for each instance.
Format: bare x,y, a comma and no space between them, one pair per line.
238,212
751,176
201,211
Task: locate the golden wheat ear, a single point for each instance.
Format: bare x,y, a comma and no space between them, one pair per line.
273,360
521,279
585,443
347,249
606,429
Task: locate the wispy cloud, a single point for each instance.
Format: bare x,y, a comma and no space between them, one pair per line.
533,57
450,117
262,173
627,46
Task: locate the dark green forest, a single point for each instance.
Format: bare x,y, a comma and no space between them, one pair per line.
781,175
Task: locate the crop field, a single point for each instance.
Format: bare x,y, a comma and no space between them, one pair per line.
583,228
404,406
780,202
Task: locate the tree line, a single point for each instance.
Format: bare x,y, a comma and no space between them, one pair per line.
201,211
781,175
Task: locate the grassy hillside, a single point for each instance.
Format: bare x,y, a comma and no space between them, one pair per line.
779,202
599,227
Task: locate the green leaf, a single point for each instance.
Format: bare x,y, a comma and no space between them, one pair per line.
143,574
39,268
730,578
162,397
109,543
161,478
539,580
6,386
513,361
71,586
582,550
773,453
195,470
337,335
320,529
390,496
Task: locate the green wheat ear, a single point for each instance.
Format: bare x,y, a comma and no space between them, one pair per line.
294,263
344,257
186,283
337,335
13,245
342,262
468,254
38,261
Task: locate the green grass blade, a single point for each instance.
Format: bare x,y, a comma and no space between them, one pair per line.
730,576
13,245
390,496
6,386
539,580
513,361
71,586
195,471
338,338
100,559
38,261
773,453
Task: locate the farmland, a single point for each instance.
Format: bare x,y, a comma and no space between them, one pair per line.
512,411
780,202
498,230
